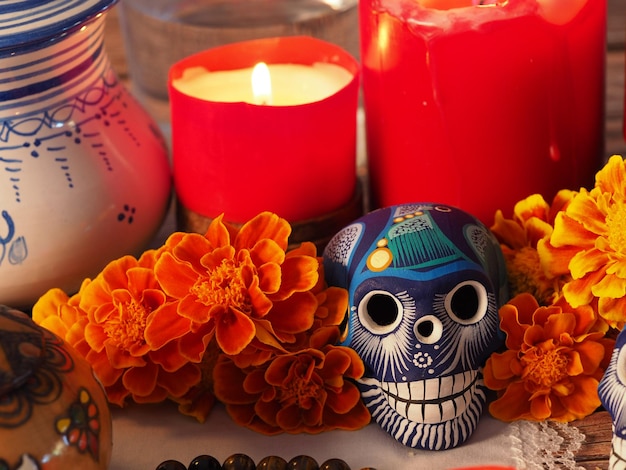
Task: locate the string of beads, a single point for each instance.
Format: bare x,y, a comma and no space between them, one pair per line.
244,462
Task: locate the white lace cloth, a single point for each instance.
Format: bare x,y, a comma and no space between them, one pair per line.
545,446
146,435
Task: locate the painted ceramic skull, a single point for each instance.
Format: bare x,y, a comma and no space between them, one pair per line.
612,391
425,282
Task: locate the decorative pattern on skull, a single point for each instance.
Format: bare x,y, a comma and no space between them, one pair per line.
612,392
425,282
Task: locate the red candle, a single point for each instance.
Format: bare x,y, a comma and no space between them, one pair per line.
240,158
479,106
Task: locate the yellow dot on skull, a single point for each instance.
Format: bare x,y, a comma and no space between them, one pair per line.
379,259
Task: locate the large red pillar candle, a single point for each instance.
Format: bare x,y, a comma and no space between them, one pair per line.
479,106
241,158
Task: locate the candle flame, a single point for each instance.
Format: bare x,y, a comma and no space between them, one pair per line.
261,84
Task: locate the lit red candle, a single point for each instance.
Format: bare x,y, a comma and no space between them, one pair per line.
481,105
290,149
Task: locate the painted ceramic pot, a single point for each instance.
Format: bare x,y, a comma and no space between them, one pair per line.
53,413
84,170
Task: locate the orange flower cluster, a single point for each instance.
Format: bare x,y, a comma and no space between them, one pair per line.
570,257
163,327
553,363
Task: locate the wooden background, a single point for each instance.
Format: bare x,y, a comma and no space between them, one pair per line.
597,428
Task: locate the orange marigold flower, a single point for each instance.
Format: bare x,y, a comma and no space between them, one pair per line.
61,314
532,221
120,302
238,285
553,363
308,391
589,242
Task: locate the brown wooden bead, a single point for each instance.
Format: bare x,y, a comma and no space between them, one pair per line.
272,462
334,464
303,462
238,462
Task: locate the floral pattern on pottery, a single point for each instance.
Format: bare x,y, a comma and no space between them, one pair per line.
53,413
84,170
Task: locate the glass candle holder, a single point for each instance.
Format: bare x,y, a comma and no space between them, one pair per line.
481,105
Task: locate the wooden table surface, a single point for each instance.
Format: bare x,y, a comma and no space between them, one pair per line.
597,428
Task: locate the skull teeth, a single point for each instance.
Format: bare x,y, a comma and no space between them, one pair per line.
432,400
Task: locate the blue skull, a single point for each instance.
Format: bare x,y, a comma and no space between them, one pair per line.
425,282
612,392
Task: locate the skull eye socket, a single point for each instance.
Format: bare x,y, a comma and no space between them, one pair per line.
380,312
467,302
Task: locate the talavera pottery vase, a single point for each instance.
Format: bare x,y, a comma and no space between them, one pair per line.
53,413
84,170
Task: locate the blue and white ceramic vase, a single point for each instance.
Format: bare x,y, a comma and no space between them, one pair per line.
84,170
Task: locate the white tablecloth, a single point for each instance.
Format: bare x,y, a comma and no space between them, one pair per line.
146,435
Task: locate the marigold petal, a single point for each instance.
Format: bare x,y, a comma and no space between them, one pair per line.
558,324
613,311
304,249
294,314
267,411
591,355
228,382
179,382
234,331
586,211
344,399
587,261
498,372
536,230
193,345
356,418
169,357
165,325
612,177
174,276
218,233
141,381
515,317
610,286
114,274
300,274
333,306
578,292
117,393
555,261
508,232
585,400
264,225
95,337
512,405
48,304
121,359
270,277
540,408
570,232
574,364
101,366
267,251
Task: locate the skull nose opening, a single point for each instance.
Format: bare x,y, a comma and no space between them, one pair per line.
428,329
